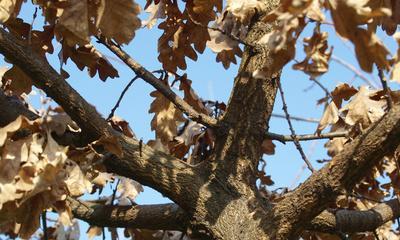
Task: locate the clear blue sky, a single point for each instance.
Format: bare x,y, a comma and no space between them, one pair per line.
213,82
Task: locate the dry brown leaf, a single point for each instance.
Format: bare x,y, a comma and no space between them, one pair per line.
157,11
119,20
121,125
93,232
180,39
268,147
190,95
101,179
347,17
128,190
395,74
17,81
331,116
317,57
220,41
76,181
226,57
73,25
362,109
203,11
166,118
111,144
10,128
244,10
88,56
190,133
342,91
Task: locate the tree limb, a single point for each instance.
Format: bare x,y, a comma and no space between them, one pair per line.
165,173
351,221
341,174
156,217
54,85
159,85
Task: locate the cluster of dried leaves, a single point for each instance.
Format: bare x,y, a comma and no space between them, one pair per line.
36,173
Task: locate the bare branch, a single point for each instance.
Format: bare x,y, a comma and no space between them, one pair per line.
121,97
159,85
351,221
305,137
293,135
354,70
156,217
311,120
385,88
327,92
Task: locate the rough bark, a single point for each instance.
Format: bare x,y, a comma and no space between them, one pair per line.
157,217
351,221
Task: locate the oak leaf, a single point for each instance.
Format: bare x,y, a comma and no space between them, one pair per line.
73,25
119,20
76,182
166,118
362,109
157,11
17,81
331,116
88,56
347,17
317,57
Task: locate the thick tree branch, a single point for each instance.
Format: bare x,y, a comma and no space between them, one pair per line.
351,221
156,217
341,174
159,85
167,174
46,78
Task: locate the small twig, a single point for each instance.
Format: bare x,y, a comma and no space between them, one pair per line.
31,26
354,70
311,151
305,137
159,85
293,135
385,88
103,231
311,120
120,97
115,192
44,223
322,87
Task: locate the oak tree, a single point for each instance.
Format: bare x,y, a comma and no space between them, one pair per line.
206,156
